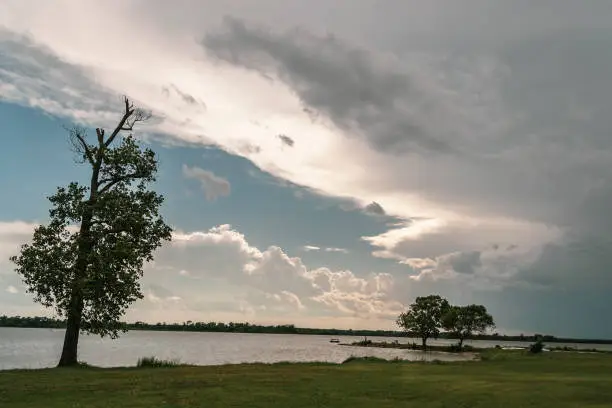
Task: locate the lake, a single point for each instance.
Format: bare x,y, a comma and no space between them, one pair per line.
40,348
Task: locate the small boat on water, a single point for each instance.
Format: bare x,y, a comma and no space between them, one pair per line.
334,341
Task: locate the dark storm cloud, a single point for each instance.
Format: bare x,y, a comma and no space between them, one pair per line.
342,82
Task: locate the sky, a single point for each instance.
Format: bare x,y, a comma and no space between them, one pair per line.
324,163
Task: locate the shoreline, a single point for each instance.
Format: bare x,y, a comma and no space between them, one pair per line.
348,360
453,349
500,339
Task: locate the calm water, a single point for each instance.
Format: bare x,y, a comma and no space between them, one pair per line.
38,348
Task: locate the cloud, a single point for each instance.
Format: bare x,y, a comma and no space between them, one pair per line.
333,249
11,289
250,149
187,98
435,250
286,140
374,208
213,185
419,238
269,281
12,235
308,248
33,75
344,83
159,295
311,66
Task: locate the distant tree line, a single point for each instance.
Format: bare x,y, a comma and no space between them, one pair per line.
32,322
232,327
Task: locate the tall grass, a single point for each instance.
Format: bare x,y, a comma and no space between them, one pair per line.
157,362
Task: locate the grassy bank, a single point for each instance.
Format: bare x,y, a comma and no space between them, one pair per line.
502,379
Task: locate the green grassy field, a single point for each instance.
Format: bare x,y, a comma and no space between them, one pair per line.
503,379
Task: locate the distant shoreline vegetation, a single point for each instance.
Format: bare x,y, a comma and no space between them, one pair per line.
189,326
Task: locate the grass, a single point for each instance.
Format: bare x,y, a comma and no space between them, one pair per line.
502,379
156,362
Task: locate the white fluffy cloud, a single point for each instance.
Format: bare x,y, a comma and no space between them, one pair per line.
12,235
268,282
191,273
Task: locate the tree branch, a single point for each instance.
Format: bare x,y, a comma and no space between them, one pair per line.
84,147
100,133
87,151
113,230
113,181
129,110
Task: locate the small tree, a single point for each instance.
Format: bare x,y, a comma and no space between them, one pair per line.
464,321
424,317
90,273
538,346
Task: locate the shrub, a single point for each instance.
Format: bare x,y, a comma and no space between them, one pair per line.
536,347
455,348
156,362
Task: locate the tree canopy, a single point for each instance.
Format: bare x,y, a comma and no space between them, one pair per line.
430,314
424,317
463,321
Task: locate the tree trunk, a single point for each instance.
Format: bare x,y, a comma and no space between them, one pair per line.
75,309
73,328
460,343
424,343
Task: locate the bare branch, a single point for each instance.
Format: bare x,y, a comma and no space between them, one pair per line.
131,116
139,115
79,143
128,104
100,133
129,111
